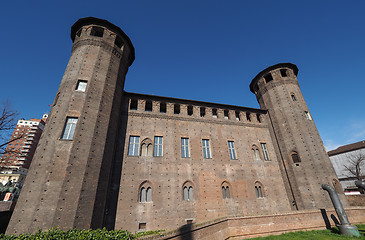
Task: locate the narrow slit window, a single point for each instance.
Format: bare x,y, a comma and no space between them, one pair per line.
214,113
258,118
163,107
176,109
97,31
69,130
190,110
202,111
148,106
226,114
81,85
118,42
283,72
268,77
248,116
295,158
293,97
238,116
134,104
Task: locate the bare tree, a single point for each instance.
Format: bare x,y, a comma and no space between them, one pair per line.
356,162
8,120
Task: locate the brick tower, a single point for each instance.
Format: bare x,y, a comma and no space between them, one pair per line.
69,179
305,163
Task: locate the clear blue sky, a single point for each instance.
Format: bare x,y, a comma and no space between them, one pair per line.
200,50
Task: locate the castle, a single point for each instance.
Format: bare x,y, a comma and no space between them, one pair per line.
110,158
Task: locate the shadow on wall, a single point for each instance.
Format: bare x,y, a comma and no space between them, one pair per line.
186,232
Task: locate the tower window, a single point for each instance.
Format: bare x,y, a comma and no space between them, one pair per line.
202,111
158,147
283,72
295,157
307,115
268,77
134,104
225,191
142,226
232,151
148,106
133,148
293,97
214,113
118,41
69,130
145,194
258,190
237,115
176,109
265,152
256,153
81,85
258,118
185,148
163,107
248,116
190,110
188,193
226,112
97,31
206,148
146,147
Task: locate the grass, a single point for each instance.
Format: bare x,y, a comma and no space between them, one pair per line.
314,235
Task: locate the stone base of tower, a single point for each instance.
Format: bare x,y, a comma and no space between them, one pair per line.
264,225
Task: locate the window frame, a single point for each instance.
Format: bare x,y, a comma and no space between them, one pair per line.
70,127
135,144
185,147
206,149
81,85
232,150
158,146
265,151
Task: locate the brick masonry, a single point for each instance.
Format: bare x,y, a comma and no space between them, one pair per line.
90,181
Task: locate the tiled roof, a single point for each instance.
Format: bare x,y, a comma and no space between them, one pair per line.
347,148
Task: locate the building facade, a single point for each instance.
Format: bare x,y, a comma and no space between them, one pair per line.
23,142
349,164
121,160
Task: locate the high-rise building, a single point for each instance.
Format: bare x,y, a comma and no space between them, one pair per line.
23,143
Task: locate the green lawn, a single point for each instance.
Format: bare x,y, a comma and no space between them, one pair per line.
314,235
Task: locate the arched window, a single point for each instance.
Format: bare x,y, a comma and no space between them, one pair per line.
256,152
295,157
146,147
259,190
145,192
225,190
188,191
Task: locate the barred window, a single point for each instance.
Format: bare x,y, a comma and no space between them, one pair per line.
265,152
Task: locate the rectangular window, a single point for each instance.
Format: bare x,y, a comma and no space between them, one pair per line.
265,152
232,151
133,149
81,85
69,130
185,148
158,147
308,115
206,148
